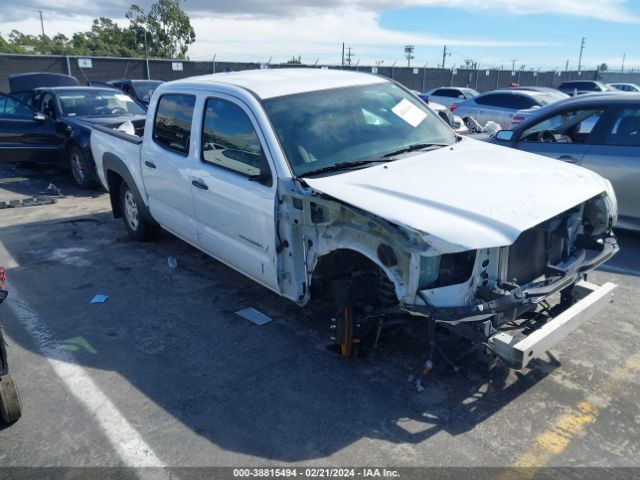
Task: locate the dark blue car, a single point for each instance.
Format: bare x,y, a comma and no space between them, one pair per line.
140,90
53,124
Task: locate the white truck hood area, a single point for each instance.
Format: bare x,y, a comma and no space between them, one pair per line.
471,195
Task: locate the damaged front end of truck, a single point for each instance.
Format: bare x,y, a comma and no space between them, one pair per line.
513,301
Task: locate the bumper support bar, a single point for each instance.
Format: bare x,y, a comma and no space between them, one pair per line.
591,299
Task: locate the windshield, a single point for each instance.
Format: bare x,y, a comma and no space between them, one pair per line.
470,92
92,103
545,98
144,90
349,125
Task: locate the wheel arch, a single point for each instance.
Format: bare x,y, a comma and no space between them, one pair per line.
333,274
116,173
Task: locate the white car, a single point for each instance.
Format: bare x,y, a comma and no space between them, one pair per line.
625,87
343,187
447,96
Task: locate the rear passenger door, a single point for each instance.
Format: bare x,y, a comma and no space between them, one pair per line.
493,107
234,190
615,155
166,165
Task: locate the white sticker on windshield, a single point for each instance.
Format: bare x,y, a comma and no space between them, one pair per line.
122,97
408,112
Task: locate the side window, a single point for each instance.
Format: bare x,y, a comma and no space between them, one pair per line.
229,139
447,92
172,124
493,100
11,108
569,126
48,105
520,102
626,129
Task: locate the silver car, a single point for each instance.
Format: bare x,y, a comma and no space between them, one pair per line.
500,105
447,96
598,132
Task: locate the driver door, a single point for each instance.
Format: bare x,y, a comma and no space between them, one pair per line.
27,135
566,135
234,191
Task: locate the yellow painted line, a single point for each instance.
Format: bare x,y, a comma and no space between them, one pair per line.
555,440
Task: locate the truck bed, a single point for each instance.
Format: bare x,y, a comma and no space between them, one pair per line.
107,142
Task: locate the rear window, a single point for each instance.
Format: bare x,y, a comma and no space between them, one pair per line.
581,86
172,124
501,100
447,92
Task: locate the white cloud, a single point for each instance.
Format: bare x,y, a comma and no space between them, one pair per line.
314,36
608,10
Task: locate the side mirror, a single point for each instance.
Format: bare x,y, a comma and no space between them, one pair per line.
504,135
39,117
263,178
462,97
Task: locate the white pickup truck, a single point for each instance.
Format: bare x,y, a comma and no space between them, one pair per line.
345,186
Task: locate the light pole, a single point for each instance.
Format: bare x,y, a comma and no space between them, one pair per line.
146,54
408,53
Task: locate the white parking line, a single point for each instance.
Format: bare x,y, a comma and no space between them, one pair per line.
131,448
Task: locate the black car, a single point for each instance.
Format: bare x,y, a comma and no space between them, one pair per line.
580,87
53,124
140,90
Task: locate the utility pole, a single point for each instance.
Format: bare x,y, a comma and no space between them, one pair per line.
566,66
513,65
581,49
343,54
624,55
444,55
41,23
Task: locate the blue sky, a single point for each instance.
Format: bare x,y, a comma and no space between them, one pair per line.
606,41
537,33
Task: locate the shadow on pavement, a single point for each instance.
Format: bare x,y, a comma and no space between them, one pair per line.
272,391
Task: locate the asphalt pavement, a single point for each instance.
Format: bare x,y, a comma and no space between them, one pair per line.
164,373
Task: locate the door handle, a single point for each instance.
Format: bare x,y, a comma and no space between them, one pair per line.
199,184
568,159
149,164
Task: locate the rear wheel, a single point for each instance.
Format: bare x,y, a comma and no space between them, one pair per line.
130,204
81,168
10,407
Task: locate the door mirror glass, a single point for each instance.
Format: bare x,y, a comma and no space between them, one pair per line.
504,135
39,117
462,97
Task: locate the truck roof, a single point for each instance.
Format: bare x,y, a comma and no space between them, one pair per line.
271,83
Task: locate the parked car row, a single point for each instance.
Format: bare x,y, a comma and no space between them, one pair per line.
48,118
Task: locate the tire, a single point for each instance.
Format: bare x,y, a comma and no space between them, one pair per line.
138,228
81,168
10,407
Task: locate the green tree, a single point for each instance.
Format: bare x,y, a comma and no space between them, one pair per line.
168,29
603,67
7,47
